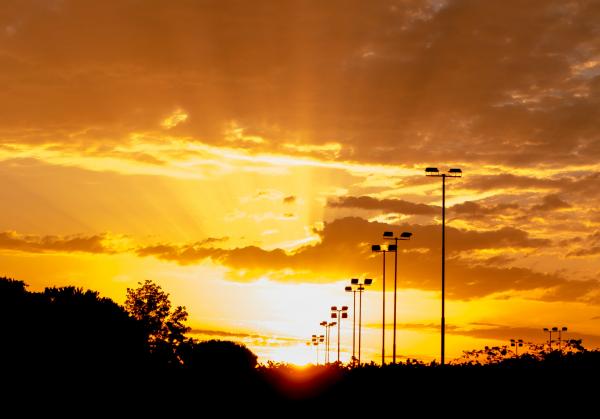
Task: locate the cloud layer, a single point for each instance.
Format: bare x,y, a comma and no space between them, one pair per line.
391,81
344,252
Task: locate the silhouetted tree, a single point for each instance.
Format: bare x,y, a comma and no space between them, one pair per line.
67,329
164,326
219,355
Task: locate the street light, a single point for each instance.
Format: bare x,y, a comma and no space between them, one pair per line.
555,330
549,330
359,286
389,235
327,327
324,324
562,329
517,343
383,249
452,173
316,339
353,291
339,314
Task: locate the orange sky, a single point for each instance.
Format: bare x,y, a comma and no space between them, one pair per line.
245,155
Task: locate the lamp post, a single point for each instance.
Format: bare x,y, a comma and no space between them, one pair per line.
327,326
316,339
452,173
383,249
389,235
562,329
324,324
549,331
353,291
360,288
339,314
555,330
517,343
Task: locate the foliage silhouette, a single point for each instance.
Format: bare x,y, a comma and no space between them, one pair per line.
144,357
164,326
66,328
219,356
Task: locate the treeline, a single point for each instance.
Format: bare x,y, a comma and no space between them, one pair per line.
70,330
70,341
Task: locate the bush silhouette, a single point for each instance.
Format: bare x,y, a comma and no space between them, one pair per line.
219,356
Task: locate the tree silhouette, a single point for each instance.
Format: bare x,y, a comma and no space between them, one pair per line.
224,356
164,326
66,329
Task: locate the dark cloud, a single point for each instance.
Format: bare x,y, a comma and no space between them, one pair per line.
498,332
477,210
241,335
213,240
224,333
42,244
550,203
590,251
508,83
289,199
390,205
344,251
247,338
510,181
585,246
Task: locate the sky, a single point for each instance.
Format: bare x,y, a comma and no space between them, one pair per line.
245,156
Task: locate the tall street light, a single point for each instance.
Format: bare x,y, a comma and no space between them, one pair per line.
383,249
360,288
353,291
316,339
517,343
452,173
549,331
555,330
327,327
339,314
389,235
562,329
324,324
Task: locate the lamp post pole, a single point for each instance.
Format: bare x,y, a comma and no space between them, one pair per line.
316,339
443,267
382,249
353,291
434,172
329,326
326,325
390,236
339,314
360,290
383,316
549,331
360,287
517,343
317,347
562,329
